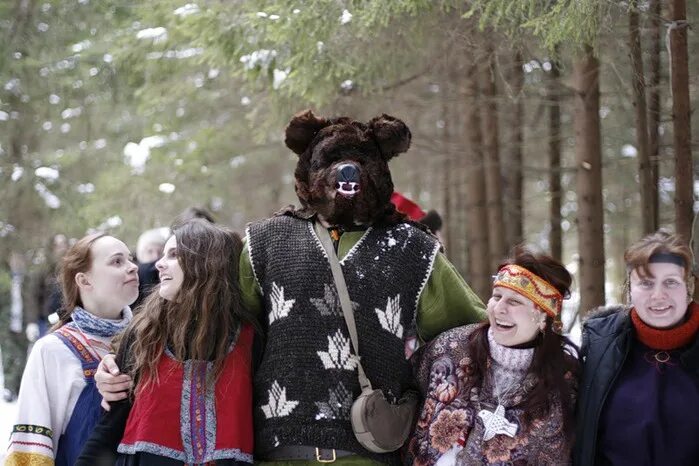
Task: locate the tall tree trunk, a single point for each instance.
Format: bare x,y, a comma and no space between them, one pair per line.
514,129
447,161
554,148
654,107
641,119
588,155
491,158
684,183
475,195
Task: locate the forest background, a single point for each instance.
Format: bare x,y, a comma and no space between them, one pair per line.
562,124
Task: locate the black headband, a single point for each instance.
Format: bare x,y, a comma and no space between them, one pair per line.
667,258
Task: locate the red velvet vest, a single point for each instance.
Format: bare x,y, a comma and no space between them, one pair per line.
180,417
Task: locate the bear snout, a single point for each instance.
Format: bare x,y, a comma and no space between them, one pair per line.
347,176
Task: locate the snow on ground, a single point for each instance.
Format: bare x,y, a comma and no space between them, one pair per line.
8,412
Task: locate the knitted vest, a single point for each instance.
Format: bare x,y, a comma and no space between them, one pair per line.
307,379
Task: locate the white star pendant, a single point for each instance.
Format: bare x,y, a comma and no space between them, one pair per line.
496,423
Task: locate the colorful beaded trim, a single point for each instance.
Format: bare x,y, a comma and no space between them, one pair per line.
524,282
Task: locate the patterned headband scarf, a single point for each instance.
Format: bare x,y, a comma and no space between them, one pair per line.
531,286
99,326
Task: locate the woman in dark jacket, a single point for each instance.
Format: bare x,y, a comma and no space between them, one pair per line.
639,391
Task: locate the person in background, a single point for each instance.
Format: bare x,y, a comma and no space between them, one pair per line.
430,219
189,353
58,402
640,384
44,291
503,391
149,249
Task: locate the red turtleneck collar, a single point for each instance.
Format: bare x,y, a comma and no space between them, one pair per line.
671,338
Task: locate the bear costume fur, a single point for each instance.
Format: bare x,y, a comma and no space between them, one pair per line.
401,286
324,144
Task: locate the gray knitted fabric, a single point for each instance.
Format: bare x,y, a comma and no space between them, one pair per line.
307,380
509,366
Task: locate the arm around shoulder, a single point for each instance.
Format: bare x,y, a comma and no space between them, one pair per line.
447,301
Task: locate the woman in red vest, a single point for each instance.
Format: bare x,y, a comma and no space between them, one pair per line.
189,354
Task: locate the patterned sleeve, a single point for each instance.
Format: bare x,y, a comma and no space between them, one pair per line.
439,355
44,396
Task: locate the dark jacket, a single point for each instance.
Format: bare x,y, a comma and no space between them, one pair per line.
606,339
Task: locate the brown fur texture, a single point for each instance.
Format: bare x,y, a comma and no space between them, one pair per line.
323,145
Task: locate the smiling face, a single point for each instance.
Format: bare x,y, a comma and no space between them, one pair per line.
514,318
170,271
660,299
111,283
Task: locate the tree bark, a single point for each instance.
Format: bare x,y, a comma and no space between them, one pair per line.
654,107
588,155
475,195
554,149
491,158
514,127
641,120
679,62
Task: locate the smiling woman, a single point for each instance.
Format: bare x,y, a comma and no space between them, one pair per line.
503,390
641,369
58,403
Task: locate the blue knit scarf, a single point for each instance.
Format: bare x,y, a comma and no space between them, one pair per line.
90,323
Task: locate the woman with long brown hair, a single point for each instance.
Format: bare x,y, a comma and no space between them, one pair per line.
58,402
189,354
503,391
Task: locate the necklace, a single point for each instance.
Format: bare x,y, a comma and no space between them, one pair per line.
495,422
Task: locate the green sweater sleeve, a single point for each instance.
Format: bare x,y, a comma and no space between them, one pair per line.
249,288
447,301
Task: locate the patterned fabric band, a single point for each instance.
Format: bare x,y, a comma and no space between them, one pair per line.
529,285
90,323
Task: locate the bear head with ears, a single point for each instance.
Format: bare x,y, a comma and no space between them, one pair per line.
342,172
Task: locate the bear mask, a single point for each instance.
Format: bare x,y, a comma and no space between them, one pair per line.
342,172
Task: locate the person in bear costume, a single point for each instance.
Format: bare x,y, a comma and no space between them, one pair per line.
402,288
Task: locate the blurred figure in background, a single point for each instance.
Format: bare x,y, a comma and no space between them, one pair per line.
149,249
13,295
43,292
431,219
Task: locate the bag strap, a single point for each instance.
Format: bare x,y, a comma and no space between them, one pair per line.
345,302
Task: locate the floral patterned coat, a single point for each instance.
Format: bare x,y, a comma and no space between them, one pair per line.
449,430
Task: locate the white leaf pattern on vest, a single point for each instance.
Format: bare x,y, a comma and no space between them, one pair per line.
390,318
338,355
280,306
278,405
